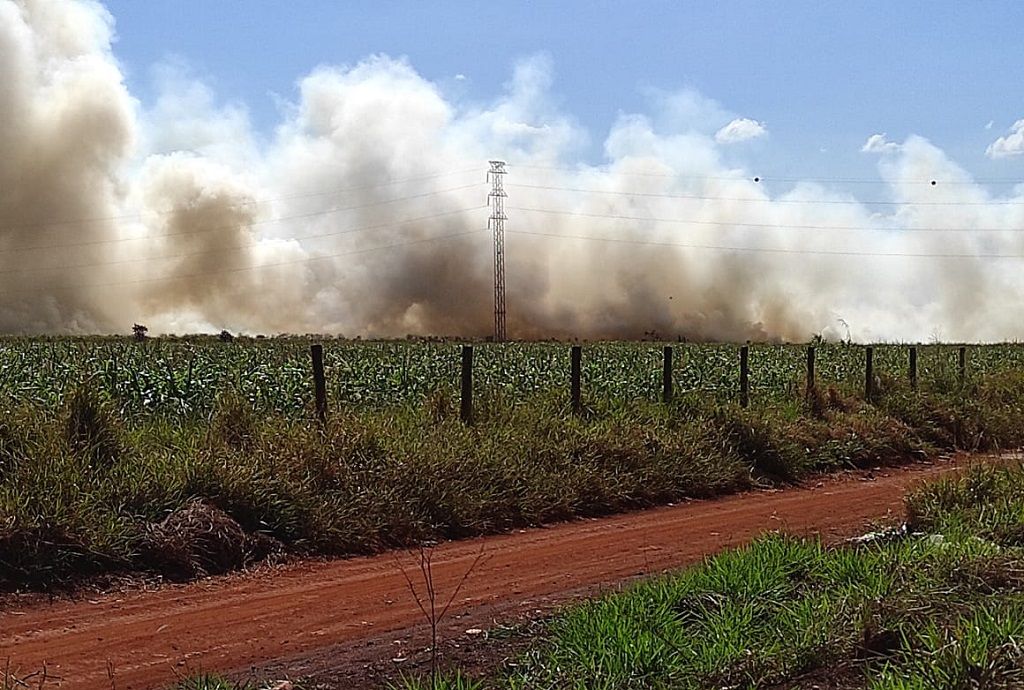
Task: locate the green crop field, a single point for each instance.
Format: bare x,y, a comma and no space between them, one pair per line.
178,377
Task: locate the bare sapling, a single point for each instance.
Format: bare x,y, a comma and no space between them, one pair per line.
428,601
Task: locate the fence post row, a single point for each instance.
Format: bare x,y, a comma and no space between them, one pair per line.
316,352
744,376
576,357
466,400
319,382
666,375
869,373
810,370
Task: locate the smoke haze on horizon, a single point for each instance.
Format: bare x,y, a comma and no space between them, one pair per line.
363,212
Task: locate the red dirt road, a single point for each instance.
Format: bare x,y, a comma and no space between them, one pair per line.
303,611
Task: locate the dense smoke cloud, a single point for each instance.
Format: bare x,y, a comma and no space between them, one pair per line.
363,213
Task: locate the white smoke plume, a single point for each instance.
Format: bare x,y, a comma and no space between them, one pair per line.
364,213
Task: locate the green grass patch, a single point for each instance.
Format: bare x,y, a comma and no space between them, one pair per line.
987,502
783,608
940,608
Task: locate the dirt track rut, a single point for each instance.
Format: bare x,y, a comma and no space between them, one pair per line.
302,611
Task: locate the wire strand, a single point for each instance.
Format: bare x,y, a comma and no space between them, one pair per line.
768,178
769,250
240,269
234,226
776,226
221,250
252,202
768,200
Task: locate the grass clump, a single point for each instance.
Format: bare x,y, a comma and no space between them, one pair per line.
987,502
451,681
939,609
92,429
208,681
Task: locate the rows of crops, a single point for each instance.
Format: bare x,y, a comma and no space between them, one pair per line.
179,377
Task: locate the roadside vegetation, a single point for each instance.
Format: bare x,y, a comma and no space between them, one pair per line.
938,604
88,487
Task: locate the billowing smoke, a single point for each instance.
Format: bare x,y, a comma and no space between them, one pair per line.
364,213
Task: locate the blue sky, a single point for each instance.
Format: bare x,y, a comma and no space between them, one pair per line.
821,76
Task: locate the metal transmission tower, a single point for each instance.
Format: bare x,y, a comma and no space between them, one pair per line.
496,223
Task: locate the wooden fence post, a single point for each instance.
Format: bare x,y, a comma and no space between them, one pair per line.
744,376
466,401
576,357
666,375
962,365
913,368
869,373
810,370
319,381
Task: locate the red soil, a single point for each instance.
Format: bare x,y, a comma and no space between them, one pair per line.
310,615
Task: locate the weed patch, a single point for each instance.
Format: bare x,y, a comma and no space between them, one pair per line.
84,489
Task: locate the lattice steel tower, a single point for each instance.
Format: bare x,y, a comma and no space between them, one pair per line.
496,223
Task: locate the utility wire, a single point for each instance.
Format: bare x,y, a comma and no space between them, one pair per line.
769,250
241,269
250,202
776,226
215,251
764,178
766,199
235,226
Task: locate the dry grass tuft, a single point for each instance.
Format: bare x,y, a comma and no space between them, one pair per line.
200,539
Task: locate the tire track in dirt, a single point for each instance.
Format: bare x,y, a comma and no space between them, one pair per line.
314,614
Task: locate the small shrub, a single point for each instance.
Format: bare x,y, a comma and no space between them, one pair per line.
234,422
92,429
759,438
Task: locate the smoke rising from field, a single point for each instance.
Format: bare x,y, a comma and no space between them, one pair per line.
363,212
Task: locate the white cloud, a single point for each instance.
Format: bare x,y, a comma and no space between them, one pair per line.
877,143
991,123
1010,145
740,129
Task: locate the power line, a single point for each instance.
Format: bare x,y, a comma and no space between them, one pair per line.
346,190
241,269
775,226
769,200
765,178
770,250
235,226
252,202
232,248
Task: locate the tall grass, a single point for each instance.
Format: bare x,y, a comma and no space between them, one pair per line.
82,487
